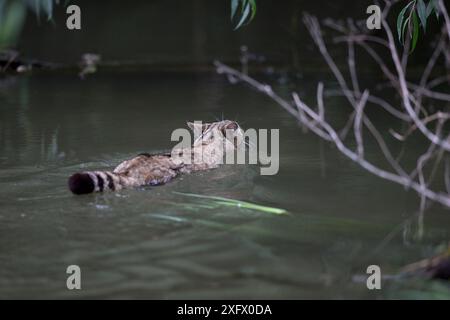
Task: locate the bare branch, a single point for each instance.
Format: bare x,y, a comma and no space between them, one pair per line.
412,114
320,100
323,129
406,94
444,12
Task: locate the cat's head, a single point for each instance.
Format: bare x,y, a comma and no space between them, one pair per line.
227,132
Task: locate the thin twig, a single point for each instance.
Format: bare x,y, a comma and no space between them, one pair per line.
357,127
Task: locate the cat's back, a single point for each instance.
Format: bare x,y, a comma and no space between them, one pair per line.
144,162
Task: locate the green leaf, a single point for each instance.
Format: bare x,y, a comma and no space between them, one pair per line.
245,14
48,8
250,206
405,24
422,11
243,5
213,200
415,32
234,6
436,8
253,5
430,7
247,11
400,18
10,26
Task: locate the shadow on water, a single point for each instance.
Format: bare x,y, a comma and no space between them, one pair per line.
155,243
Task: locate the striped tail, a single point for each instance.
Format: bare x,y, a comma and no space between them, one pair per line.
94,181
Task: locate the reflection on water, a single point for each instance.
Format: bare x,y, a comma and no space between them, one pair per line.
155,243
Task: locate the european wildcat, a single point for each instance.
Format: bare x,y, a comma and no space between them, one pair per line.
210,146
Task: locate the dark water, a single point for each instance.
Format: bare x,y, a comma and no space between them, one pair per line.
179,32
154,243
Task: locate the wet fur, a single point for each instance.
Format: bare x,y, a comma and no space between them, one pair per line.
146,169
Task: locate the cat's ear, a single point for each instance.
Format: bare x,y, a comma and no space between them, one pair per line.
198,126
194,125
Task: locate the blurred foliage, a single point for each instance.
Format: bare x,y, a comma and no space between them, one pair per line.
13,14
246,9
12,17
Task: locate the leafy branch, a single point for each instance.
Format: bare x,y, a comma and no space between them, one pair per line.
412,16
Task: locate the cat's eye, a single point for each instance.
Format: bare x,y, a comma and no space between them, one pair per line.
232,126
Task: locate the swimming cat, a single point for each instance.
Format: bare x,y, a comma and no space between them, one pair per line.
210,146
